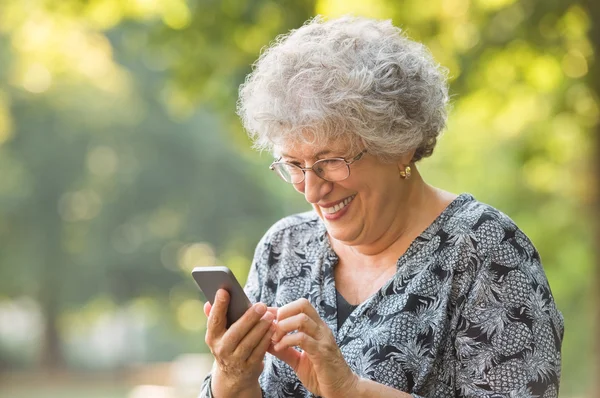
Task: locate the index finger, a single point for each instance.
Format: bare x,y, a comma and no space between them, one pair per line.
242,326
297,307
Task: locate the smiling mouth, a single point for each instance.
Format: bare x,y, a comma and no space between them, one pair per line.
338,207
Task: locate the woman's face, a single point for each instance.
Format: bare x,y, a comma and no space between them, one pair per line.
358,210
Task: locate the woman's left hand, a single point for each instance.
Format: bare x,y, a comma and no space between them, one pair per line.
320,367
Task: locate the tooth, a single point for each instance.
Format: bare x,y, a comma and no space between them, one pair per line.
338,207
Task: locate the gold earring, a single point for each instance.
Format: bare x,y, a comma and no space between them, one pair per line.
405,173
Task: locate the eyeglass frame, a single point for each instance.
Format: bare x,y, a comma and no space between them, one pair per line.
311,168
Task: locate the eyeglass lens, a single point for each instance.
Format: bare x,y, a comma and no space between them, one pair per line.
327,169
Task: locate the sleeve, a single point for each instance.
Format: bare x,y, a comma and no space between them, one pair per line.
253,289
205,390
256,275
509,332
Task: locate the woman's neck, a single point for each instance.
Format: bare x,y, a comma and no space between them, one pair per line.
421,205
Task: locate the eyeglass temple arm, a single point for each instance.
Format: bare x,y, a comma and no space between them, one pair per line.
354,159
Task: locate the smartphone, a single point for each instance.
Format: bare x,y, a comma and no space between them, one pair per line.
211,279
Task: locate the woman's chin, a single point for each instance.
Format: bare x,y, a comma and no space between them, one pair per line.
343,235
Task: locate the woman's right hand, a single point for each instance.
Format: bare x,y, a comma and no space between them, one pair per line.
239,351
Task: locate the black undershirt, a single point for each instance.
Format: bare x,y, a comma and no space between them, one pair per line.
344,309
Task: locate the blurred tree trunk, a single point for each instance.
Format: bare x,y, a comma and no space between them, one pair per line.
594,76
51,356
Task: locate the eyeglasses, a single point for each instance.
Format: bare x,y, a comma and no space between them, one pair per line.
332,169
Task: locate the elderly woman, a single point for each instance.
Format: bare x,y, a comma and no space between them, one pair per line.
389,287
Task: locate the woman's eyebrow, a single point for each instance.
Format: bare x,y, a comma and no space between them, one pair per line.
316,155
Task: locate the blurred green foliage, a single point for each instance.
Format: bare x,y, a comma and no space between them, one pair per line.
122,164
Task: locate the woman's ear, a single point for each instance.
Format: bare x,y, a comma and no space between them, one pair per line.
405,159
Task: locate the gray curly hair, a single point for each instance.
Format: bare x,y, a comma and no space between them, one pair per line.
349,78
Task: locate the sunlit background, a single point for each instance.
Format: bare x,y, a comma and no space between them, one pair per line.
123,166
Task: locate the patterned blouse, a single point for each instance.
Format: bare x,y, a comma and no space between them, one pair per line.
469,312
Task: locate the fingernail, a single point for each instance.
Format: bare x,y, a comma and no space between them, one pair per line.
260,308
268,317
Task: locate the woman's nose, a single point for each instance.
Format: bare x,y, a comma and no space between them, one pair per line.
315,187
